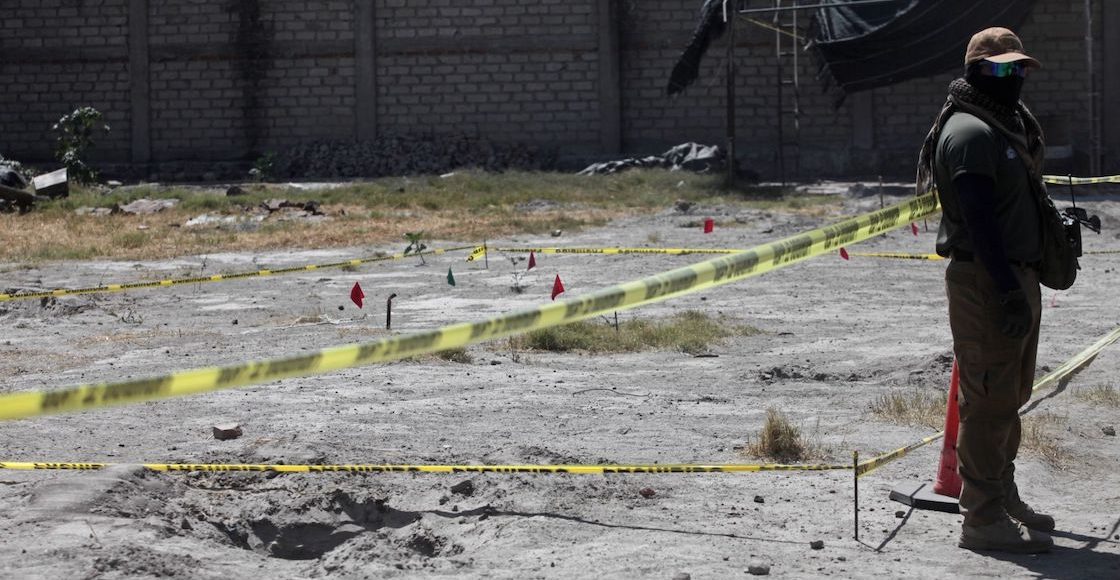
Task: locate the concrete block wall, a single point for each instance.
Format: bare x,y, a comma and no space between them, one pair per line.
221,80
59,55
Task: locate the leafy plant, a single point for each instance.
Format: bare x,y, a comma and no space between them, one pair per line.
75,138
264,167
416,244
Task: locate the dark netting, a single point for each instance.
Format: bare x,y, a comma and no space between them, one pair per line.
876,45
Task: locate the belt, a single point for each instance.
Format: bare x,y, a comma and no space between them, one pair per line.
963,256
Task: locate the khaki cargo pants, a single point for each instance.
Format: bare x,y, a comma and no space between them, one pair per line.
996,375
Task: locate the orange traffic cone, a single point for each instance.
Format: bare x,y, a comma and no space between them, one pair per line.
948,481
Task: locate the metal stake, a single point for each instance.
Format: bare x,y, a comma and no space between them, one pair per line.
389,312
855,487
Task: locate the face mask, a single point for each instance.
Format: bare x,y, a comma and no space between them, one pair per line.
1004,90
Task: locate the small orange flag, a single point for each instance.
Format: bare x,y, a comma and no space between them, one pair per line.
557,287
357,295
532,261
914,228
844,253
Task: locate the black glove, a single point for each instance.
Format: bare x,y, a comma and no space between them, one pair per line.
1016,320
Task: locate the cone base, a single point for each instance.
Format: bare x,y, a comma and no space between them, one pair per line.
920,496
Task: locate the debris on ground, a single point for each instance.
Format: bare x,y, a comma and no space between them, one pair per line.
148,206
227,431
53,185
241,223
282,205
686,156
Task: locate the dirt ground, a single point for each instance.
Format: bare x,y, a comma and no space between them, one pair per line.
837,335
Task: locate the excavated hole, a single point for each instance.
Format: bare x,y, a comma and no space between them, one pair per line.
316,526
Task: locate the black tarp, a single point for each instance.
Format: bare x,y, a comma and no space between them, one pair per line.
876,45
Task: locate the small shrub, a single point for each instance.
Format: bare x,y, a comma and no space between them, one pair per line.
415,244
778,439
75,132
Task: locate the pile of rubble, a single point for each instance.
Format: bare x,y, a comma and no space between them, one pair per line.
15,193
406,155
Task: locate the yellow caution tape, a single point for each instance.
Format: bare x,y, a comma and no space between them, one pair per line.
611,251
477,253
216,277
708,274
1065,369
1064,180
480,251
896,255
1101,252
573,469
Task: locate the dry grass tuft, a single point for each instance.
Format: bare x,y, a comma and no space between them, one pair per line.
1106,395
782,441
692,332
1040,436
913,407
456,355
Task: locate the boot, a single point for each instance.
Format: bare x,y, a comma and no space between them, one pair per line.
1005,535
1030,518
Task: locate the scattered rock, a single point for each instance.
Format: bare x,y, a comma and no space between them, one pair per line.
1109,430
495,362
759,499
683,205
817,544
94,211
557,233
234,190
900,514
227,431
235,322
463,488
682,576
647,492
757,568
148,206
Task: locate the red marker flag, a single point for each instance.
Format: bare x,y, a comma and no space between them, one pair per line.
709,225
557,287
356,294
914,228
844,254
532,261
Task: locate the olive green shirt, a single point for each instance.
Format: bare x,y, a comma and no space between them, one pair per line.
969,145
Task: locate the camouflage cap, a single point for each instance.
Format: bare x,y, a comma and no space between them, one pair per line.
997,45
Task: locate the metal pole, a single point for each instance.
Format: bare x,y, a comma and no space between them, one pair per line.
1094,125
389,312
855,483
729,18
777,21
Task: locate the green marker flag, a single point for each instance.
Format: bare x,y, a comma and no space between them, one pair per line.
450,277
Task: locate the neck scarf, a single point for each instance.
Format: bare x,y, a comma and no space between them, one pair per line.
1017,124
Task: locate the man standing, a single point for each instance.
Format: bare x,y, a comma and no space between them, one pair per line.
984,153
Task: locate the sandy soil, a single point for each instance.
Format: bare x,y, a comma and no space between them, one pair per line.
836,336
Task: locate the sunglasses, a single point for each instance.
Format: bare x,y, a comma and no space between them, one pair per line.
1003,69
